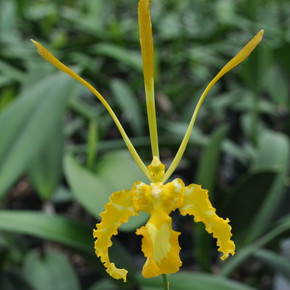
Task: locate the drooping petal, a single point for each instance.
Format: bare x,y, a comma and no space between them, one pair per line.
159,245
58,64
196,203
146,41
117,212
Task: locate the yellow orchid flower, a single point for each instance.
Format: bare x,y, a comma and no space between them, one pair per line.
160,242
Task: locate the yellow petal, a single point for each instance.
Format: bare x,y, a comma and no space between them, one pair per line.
159,245
52,59
241,56
146,41
196,203
117,211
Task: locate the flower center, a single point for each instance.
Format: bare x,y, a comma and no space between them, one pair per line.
156,170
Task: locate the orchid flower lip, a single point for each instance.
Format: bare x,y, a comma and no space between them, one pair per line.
160,242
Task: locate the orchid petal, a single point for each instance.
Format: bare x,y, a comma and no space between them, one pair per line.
117,212
196,203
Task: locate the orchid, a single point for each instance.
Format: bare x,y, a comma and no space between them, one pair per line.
158,198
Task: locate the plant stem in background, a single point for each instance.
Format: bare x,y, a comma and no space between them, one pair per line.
92,144
165,282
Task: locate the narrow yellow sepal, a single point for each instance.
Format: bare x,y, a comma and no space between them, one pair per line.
196,203
241,56
146,41
117,212
52,59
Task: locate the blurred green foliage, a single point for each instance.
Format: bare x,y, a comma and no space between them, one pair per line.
61,155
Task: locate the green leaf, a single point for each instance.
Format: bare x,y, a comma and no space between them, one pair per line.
46,169
277,85
207,169
256,67
105,284
274,261
65,231
51,271
89,190
26,125
246,252
225,12
11,72
119,169
193,281
129,105
245,199
116,171
50,227
273,153
13,281
130,58
92,141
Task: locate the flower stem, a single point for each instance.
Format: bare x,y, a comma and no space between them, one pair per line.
165,282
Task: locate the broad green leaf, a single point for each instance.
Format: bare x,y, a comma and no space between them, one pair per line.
105,284
8,19
246,252
129,105
207,168
65,231
277,85
273,153
51,271
11,72
6,98
120,170
193,281
225,12
89,190
130,58
256,67
26,125
115,172
274,261
245,199
46,168
14,281
50,227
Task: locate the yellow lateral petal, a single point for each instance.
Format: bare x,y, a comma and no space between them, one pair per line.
241,56
146,41
52,59
117,211
196,203
159,245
